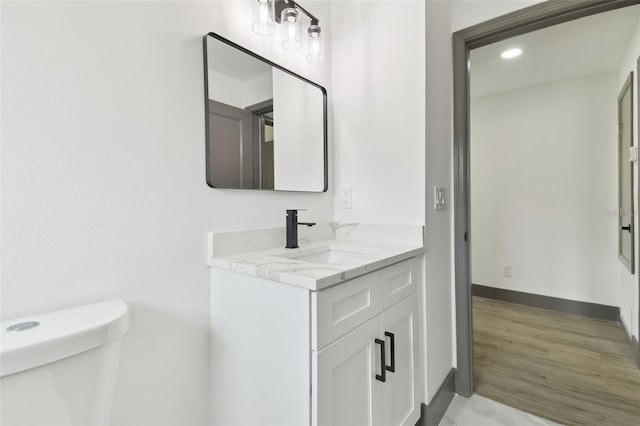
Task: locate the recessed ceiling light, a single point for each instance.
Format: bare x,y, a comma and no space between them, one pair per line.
511,53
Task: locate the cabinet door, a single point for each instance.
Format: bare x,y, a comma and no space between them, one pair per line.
345,390
400,393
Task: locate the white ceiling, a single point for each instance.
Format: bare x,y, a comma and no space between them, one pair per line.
587,46
232,62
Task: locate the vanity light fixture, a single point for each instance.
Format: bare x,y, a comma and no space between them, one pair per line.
289,14
511,53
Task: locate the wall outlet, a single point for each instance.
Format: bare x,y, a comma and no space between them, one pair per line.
507,271
345,198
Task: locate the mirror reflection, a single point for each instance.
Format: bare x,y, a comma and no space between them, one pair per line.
266,127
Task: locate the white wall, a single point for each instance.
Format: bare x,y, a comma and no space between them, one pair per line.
544,189
439,289
629,283
239,93
378,119
465,13
227,90
259,89
103,180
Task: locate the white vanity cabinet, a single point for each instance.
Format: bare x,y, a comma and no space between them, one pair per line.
287,355
350,385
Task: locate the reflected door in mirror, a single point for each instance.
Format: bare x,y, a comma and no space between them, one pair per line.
625,176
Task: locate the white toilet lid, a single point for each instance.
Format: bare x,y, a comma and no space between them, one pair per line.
36,340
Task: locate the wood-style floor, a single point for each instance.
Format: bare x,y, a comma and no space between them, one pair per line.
568,368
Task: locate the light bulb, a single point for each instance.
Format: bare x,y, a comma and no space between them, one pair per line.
264,13
315,53
292,31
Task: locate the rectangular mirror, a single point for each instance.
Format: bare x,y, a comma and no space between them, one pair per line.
625,176
266,127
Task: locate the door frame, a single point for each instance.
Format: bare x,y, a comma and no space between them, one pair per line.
522,21
636,347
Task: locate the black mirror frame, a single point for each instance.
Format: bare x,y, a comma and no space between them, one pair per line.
268,62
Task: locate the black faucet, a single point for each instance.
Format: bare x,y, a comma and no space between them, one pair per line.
292,228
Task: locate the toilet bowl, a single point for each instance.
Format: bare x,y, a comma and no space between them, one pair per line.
59,368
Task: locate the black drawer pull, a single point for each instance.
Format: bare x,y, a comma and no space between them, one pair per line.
626,228
392,343
382,377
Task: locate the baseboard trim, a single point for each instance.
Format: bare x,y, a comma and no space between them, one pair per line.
432,414
587,309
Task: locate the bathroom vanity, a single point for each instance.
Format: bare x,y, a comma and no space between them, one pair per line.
324,334
327,334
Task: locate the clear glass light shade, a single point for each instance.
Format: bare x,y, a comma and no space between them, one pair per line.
291,29
263,17
315,45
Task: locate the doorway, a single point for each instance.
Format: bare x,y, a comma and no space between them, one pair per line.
524,21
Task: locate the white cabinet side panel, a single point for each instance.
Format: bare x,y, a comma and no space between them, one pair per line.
260,352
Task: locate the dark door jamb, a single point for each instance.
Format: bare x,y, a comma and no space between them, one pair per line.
522,21
635,343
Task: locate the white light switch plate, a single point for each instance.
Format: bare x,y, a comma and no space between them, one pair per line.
439,195
345,198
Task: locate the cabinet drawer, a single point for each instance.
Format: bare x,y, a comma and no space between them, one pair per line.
339,309
398,281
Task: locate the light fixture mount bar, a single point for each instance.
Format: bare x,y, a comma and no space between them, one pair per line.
280,5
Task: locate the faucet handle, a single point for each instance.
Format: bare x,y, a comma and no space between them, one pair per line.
295,211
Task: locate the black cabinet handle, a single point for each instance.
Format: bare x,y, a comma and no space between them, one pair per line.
392,343
626,228
382,377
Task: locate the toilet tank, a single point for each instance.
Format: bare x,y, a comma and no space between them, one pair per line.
59,368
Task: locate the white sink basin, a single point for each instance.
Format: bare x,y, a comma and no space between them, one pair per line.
327,255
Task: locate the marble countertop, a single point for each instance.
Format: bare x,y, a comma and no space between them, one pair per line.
349,259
